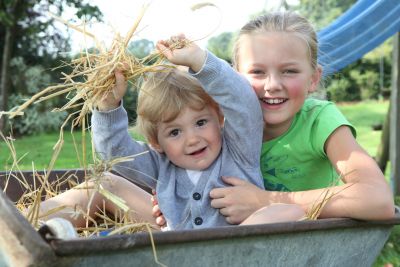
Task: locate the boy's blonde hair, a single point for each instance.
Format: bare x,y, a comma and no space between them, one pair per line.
286,21
164,95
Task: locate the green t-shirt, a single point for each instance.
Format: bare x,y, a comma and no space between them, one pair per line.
296,161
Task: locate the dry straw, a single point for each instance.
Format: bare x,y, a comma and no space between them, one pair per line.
326,195
92,78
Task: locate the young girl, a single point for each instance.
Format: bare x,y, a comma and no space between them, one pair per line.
308,145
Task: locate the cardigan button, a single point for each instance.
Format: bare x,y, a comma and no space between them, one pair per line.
198,221
196,196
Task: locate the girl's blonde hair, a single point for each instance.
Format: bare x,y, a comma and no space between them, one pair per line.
286,21
164,95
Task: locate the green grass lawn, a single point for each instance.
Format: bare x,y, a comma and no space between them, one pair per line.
38,150
362,115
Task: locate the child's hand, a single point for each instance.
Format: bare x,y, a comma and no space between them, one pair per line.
156,212
113,99
190,54
238,201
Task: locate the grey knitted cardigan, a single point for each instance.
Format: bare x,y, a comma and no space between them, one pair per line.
185,205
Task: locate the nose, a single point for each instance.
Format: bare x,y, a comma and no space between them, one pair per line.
273,83
192,138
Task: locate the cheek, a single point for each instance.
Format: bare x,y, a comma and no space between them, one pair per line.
258,86
297,88
167,145
172,150
214,133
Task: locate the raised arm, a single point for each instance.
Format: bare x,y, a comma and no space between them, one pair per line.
190,55
112,140
234,94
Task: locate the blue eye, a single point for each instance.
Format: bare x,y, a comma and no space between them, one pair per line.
201,122
290,71
174,133
256,72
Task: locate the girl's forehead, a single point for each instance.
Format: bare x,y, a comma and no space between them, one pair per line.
273,45
276,38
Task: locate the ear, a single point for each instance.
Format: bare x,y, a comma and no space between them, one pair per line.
221,121
315,79
221,118
156,146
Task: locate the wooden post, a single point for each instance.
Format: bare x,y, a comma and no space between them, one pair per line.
395,118
382,154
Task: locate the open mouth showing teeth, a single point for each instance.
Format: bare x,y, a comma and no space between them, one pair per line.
197,152
274,101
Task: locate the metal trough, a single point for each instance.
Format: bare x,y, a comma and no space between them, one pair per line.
326,242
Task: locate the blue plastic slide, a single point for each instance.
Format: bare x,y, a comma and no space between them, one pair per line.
366,25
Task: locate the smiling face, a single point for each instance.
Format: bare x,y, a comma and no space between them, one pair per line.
193,139
278,66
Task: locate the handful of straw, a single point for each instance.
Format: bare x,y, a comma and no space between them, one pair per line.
92,78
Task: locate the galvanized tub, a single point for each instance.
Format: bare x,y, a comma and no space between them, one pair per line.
326,242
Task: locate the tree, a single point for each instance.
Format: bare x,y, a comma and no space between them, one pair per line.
26,31
323,12
368,77
141,48
222,45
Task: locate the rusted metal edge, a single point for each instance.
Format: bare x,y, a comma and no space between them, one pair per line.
114,243
21,244
14,189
